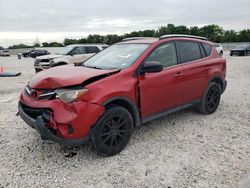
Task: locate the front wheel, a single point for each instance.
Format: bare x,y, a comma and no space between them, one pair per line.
38,70
112,132
211,99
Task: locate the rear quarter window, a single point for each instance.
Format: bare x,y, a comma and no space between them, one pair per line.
92,50
189,51
207,48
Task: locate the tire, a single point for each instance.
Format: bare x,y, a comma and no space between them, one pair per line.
210,99
112,132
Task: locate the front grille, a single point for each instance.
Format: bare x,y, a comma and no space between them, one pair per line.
34,112
40,94
45,60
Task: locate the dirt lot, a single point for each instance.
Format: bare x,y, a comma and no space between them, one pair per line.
185,149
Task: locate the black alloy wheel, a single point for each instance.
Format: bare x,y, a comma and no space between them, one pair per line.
213,98
112,132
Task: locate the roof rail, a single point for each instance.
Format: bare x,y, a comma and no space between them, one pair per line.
180,35
135,38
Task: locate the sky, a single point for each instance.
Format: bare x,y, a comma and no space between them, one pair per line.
22,21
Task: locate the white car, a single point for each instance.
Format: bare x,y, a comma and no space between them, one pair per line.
219,49
77,53
5,53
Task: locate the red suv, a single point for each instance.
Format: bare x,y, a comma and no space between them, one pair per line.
122,87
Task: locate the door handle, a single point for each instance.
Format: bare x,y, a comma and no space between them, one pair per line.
178,75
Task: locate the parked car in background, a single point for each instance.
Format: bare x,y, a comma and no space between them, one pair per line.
219,49
241,50
27,53
77,53
122,87
5,52
37,53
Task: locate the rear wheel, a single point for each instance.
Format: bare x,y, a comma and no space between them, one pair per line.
112,132
211,99
221,54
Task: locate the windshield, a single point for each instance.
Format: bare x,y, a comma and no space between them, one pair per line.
66,50
118,56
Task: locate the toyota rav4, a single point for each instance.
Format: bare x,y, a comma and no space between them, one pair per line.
126,85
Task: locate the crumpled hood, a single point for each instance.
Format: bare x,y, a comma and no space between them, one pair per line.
67,75
52,56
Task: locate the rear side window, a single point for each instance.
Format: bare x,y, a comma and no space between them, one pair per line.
92,50
189,51
203,53
164,54
207,48
79,50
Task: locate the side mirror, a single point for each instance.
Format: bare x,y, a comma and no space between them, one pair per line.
151,67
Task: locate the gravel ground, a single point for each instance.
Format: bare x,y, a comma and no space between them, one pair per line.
185,149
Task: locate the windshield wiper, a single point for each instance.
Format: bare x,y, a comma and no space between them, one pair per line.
93,67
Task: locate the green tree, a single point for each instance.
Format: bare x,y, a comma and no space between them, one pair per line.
212,32
67,41
19,46
181,30
244,35
36,45
95,38
194,30
45,44
229,36
111,39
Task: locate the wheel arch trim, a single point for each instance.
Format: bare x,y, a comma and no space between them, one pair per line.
222,82
132,107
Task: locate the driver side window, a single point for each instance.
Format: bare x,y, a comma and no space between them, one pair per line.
164,54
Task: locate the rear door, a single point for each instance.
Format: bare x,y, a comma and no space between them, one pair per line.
161,91
90,51
196,66
78,54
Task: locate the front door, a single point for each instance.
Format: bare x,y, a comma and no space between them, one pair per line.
161,91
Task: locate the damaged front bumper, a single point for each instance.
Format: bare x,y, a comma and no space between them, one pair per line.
40,124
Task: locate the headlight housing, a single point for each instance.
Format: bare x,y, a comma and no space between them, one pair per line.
70,95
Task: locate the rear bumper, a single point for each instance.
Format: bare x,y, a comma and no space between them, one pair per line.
40,124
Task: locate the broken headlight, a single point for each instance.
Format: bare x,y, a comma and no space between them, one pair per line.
70,95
